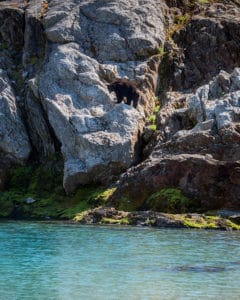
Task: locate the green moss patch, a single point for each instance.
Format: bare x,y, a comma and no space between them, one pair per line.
153,127
110,221
201,221
36,192
130,202
85,199
169,200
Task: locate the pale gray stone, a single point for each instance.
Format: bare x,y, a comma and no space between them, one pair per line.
95,42
219,100
30,200
14,142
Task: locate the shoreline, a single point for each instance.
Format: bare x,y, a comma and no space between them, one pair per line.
102,216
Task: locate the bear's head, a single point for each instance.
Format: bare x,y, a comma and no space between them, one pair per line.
111,87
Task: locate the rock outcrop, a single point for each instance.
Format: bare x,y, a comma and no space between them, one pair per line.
98,138
208,41
198,149
67,63
196,145
57,59
14,142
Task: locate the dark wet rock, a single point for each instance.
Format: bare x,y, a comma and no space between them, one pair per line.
109,215
17,213
40,132
11,27
3,179
235,218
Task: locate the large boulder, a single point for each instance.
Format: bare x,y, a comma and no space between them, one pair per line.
90,43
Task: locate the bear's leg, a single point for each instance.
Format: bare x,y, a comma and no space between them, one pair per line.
135,101
119,97
129,100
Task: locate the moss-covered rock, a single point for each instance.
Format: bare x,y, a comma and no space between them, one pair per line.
43,184
169,200
111,221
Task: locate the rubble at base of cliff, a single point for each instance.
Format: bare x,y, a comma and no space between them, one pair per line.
111,216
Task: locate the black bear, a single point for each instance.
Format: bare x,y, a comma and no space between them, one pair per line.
125,88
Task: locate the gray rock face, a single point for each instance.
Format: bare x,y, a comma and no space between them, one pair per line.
128,28
67,52
94,132
209,43
90,44
14,142
198,148
218,102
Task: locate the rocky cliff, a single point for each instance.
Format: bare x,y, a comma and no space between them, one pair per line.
56,61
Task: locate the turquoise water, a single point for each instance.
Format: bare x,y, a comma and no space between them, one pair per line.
62,261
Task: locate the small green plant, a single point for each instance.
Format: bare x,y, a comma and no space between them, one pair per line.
161,51
100,197
157,109
181,19
180,23
153,127
152,119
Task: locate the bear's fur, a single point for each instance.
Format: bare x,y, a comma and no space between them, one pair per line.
125,88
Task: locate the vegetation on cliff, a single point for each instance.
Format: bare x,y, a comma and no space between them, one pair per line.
35,191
